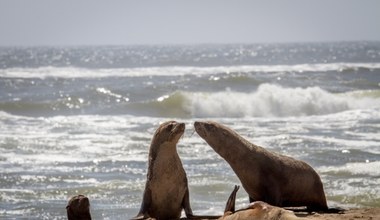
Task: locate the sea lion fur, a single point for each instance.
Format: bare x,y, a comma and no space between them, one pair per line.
256,211
266,176
166,191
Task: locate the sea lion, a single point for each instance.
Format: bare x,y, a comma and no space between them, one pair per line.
166,189
260,211
256,211
266,176
78,208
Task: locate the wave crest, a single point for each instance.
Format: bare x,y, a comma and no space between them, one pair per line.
275,101
268,100
73,72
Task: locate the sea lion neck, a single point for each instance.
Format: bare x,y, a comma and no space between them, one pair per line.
166,138
163,150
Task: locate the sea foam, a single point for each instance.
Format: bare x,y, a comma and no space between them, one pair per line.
275,101
75,72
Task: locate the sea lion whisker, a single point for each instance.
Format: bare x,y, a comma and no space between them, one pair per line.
192,133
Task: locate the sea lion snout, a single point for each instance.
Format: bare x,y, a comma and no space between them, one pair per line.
209,131
197,125
177,130
199,128
180,127
203,128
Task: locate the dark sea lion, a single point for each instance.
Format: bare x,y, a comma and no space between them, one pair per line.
266,176
78,208
166,189
255,211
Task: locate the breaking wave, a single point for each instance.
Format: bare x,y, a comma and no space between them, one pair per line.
275,101
267,101
73,72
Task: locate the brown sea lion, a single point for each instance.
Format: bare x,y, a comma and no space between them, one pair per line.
166,190
266,176
78,208
260,211
255,211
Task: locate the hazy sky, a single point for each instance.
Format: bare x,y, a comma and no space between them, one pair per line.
109,22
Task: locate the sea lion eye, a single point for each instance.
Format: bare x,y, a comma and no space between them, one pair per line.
169,127
210,127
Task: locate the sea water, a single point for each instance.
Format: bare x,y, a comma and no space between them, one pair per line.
79,120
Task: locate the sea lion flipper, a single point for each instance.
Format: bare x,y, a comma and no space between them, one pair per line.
189,213
147,198
142,217
138,217
230,205
186,204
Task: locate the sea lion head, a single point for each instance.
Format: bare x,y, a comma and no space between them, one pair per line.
262,210
170,131
206,128
214,134
78,207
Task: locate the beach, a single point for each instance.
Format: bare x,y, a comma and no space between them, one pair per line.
365,213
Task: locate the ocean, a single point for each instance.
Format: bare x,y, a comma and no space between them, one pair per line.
79,120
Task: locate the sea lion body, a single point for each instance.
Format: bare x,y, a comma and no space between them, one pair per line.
260,211
266,176
166,190
256,211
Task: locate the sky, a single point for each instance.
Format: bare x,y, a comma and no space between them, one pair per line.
124,22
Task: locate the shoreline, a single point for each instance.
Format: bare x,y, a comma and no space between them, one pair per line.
349,214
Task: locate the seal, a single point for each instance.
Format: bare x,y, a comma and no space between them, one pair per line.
166,191
266,176
78,208
255,210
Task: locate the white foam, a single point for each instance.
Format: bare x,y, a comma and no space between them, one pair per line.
274,101
72,72
365,168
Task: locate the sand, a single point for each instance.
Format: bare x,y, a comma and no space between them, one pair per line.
352,214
